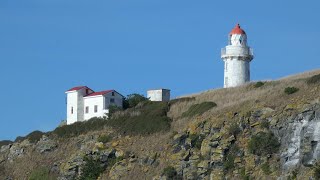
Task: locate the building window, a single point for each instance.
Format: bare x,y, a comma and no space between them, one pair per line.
87,91
87,109
95,108
71,110
111,100
112,94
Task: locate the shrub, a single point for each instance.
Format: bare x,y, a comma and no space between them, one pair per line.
198,109
91,170
266,168
112,110
265,124
170,172
314,79
234,129
78,128
316,171
183,99
196,140
41,173
290,90
5,142
104,138
228,163
258,84
152,118
133,100
263,143
35,136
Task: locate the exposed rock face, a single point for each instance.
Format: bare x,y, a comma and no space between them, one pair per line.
301,138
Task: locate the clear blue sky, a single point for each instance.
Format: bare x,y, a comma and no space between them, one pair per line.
48,46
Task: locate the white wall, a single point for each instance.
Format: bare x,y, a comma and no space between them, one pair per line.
237,72
92,101
159,95
102,102
75,101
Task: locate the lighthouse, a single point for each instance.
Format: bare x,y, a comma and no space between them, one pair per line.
236,56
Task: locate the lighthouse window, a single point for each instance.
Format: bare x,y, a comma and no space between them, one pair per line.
111,100
71,110
87,109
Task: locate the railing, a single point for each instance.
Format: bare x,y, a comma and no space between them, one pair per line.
248,52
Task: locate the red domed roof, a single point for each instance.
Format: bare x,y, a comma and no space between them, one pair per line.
237,30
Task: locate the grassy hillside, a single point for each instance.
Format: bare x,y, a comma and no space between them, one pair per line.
220,133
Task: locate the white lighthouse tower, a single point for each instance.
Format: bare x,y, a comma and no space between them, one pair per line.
236,56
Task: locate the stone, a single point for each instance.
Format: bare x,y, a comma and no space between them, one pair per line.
46,145
118,171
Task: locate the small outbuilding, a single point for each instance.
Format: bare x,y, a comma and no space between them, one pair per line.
159,95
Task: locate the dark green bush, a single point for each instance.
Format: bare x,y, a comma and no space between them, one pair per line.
5,142
133,100
291,90
258,84
196,140
183,99
265,124
266,168
152,117
198,109
314,79
263,143
92,169
104,138
78,128
234,129
113,109
228,163
170,172
35,136
41,173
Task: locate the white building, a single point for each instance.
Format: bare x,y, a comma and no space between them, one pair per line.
83,103
159,95
236,56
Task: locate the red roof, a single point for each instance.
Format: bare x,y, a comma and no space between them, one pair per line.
237,30
99,93
77,88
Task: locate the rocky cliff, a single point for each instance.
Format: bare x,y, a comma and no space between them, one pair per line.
264,130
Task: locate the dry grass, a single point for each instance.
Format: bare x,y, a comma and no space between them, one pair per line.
246,96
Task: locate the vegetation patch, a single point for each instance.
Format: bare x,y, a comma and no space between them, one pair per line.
266,168
183,99
170,172
35,136
196,140
198,109
316,171
265,124
228,164
258,84
234,129
152,118
263,143
290,90
314,79
42,173
133,100
92,169
104,138
78,128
